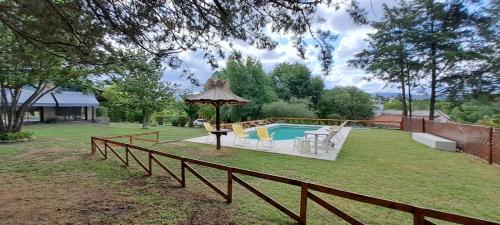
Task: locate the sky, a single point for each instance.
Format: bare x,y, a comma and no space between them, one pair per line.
351,40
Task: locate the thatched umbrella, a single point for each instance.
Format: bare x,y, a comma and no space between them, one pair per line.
217,92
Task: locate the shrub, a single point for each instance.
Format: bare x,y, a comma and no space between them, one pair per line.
21,135
101,111
169,118
153,122
174,121
182,120
348,102
493,121
160,119
287,109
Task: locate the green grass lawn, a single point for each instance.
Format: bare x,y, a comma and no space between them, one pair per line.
381,163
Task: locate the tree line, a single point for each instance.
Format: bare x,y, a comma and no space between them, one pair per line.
289,90
449,47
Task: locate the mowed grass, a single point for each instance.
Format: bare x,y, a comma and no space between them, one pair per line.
381,163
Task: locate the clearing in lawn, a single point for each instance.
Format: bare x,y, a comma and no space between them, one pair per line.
381,163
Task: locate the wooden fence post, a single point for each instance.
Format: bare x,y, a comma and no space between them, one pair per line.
150,164
157,136
92,146
491,145
418,217
401,124
105,150
130,138
126,156
423,125
229,185
183,173
303,204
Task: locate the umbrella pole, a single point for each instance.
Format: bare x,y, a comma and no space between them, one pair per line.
217,124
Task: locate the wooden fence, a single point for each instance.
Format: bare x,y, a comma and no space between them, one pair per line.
420,215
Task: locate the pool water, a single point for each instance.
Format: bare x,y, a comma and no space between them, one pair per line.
286,132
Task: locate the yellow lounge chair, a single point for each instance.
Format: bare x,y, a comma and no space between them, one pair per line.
239,133
263,135
208,129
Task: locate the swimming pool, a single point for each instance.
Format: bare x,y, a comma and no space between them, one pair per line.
286,132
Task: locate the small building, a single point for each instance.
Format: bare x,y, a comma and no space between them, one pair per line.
60,105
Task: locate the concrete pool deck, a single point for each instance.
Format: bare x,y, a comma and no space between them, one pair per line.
280,146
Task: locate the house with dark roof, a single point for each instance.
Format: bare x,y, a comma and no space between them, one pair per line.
60,105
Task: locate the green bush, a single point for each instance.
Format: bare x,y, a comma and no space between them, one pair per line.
101,111
474,110
153,122
160,118
287,109
348,102
21,135
169,118
182,120
493,121
174,121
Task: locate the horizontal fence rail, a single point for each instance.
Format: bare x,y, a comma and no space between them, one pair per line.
132,137
420,215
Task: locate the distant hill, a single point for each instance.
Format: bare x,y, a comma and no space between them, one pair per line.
413,96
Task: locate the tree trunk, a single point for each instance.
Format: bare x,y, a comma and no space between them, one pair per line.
432,102
403,96
13,114
145,120
409,97
14,121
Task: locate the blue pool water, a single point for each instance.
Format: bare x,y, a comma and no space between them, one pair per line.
286,132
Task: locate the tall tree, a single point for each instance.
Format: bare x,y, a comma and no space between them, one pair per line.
144,87
295,81
484,77
439,42
445,33
389,55
248,80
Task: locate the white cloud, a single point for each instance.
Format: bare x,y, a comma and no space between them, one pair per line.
351,41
